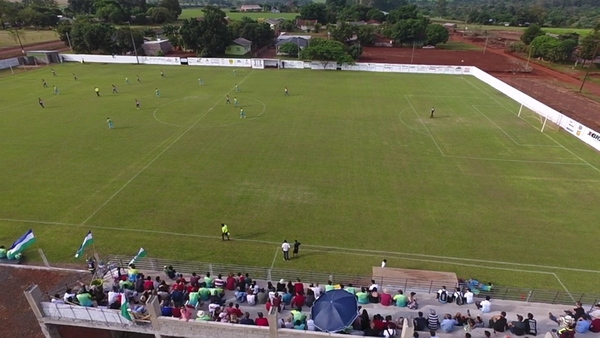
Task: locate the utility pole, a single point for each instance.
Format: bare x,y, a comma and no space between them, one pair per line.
69,40
590,65
133,43
529,57
486,43
412,57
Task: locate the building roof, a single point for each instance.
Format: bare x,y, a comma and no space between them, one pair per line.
250,7
357,23
242,42
302,22
274,21
284,36
373,22
298,41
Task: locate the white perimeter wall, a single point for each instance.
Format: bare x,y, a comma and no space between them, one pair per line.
575,128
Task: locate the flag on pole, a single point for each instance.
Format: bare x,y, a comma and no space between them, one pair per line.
125,308
87,240
21,244
140,254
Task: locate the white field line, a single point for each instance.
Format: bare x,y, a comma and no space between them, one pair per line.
43,268
159,154
479,158
448,97
404,123
507,135
564,287
546,134
274,258
331,248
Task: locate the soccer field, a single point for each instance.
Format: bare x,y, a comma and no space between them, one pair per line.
350,164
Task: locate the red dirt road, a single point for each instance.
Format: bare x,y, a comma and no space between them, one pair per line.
10,52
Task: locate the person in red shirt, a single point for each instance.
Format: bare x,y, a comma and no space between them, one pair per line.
237,311
299,287
230,284
277,302
385,298
267,306
261,320
378,323
297,301
178,286
176,312
194,279
181,279
148,284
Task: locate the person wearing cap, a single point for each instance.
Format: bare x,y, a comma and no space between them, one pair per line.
285,247
202,317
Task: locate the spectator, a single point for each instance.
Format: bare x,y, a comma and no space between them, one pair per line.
69,295
371,331
469,297
194,279
170,272
208,280
57,300
84,298
400,299
499,322
298,325
297,301
420,323
310,324
351,289
374,286
365,322
329,286
299,287
448,323
261,297
261,320
582,325
562,321
413,302
459,296
246,320
204,292
383,263
290,288
240,295
432,334
165,309
286,298
386,298
249,282
595,313
362,296
281,286
285,248
373,296
194,299
288,324
297,315
485,305
277,303
175,311
309,300
148,284
460,319
250,297
378,321
316,290
518,327
202,317
567,332
433,321
530,325
442,295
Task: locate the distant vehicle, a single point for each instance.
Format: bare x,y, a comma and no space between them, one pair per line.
429,47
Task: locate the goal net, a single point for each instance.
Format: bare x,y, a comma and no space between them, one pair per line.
535,119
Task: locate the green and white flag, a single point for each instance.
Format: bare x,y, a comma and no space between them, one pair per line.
125,308
140,254
87,240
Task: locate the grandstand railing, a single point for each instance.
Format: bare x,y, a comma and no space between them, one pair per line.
407,285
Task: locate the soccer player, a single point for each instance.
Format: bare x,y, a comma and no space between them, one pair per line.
127,80
137,104
138,78
242,114
224,232
227,101
237,88
157,92
287,92
41,102
44,83
97,90
114,89
296,248
53,72
162,74
109,122
432,111
200,82
234,73
55,90
235,101
74,77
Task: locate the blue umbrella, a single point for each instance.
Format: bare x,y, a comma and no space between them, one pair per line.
334,311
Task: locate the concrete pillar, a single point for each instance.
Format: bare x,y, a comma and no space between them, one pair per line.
273,325
34,296
407,328
153,308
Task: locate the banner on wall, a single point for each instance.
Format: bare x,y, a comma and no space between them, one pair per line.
258,64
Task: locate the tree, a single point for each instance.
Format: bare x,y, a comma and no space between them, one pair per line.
366,35
173,7
63,29
172,33
314,11
87,36
341,33
289,49
160,15
388,5
287,25
326,51
355,51
209,37
441,8
435,34
403,13
588,46
82,6
123,39
543,46
532,32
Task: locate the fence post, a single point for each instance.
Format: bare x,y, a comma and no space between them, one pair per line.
269,276
430,286
44,257
555,297
331,278
405,284
152,264
529,296
210,269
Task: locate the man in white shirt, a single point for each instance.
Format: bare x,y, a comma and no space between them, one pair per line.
285,247
485,306
112,296
56,299
374,286
68,294
251,298
316,290
469,297
383,263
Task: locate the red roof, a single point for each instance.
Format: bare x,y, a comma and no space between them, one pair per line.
300,22
373,22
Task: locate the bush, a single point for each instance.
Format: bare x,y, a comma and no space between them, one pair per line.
159,53
516,47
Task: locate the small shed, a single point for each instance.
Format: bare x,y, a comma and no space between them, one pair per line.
154,47
296,40
239,46
43,57
250,8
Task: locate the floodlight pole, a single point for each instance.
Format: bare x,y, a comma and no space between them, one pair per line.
412,57
137,58
590,66
69,40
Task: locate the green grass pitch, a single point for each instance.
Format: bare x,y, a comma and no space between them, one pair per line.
350,164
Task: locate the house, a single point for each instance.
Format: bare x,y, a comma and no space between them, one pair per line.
250,8
239,47
306,25
274,23
357,23
451,27
381,41
157,47
373,23
301,42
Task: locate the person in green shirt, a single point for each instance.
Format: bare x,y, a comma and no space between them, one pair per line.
297,315
329,286
193,300
2,251
362,296
224,231
84,299
202,317
208,281
97,90
204,292
400,299
351,289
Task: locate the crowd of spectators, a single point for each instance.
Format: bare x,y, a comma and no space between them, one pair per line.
203,298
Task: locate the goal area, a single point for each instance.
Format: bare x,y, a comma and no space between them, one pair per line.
544,123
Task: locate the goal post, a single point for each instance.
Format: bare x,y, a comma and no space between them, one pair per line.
545,123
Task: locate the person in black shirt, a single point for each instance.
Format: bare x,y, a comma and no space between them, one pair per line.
577,312
499,322
420,322
372,331
518,327
531,325
296,248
